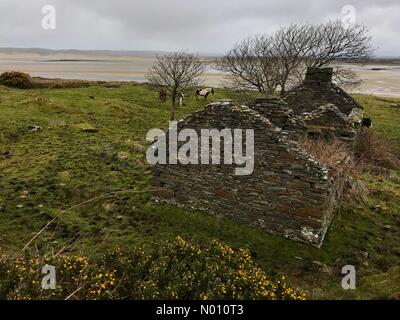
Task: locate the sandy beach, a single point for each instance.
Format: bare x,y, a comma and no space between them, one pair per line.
378,79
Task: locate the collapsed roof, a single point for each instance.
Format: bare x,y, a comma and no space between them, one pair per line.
317,90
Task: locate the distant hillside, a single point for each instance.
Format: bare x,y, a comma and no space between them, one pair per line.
44,52
391,61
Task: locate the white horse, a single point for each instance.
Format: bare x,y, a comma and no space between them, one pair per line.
204,92
181,99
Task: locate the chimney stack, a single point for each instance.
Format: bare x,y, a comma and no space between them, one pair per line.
319,76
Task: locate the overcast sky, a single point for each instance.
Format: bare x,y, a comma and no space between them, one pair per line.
203,26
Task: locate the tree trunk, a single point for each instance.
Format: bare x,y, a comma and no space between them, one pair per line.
173,110
283,89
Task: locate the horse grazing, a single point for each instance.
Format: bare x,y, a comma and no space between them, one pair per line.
204,92
163,94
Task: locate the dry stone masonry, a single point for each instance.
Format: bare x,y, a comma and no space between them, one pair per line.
317,90
290,193
325,107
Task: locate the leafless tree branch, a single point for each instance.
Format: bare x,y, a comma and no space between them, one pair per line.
176,71
268,62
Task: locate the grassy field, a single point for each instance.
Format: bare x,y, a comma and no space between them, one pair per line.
92,143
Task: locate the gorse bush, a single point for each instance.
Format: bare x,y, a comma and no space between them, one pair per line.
172,270
21,279
15,79
183,270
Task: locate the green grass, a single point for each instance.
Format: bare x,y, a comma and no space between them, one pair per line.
64,164
385,114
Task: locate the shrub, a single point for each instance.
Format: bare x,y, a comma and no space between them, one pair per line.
347,162
372,149
339,158
15,79
171,270
336,155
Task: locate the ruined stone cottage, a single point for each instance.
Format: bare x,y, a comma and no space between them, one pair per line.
290,193
325,108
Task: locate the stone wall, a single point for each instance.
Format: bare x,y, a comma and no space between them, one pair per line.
278,112
319,76
289,193
318,90
329,122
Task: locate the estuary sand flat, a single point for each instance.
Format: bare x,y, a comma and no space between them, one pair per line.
378,79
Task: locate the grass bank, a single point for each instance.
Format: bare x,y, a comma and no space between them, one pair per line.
62,147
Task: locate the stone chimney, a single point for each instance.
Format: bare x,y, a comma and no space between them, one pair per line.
318,76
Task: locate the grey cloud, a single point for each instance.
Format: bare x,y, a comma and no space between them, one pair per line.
206,26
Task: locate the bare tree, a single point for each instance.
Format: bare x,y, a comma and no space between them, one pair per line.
280,60
291,45
251,65
335,41
346,77
176,72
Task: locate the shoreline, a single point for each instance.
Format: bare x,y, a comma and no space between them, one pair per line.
70,83
380,78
